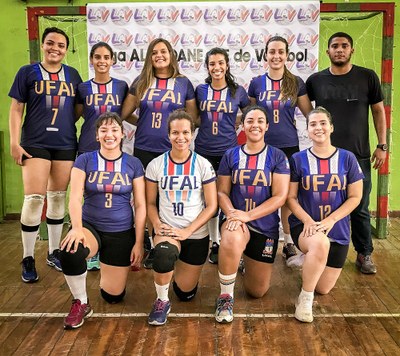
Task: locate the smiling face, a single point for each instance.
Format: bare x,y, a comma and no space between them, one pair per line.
217,66
110,135
255,125
276,55
180,134
54,48
160,57
101,60
319,127
340,51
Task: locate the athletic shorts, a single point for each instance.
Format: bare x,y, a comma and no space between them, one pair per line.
145,156
214,160
50,154
290,151
194,251
337,252
261,247
114,247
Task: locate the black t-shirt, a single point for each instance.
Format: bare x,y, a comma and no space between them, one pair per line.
347,97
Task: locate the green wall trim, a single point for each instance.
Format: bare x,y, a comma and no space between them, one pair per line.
387,47
387,93
347,7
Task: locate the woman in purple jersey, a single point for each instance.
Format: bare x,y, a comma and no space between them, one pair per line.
181,197
280,92
156,92
253,182
326,186
45,91
105,223
218,101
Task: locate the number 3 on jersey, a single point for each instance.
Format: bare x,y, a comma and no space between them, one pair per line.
108,203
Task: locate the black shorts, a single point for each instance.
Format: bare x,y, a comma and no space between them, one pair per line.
337,252
214,160
194,252
114,247
290,151
145,156
50,154
261,248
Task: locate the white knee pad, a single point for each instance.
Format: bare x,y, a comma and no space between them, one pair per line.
32,209
56,205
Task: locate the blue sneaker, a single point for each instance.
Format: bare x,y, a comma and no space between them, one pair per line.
159,313
224,310
53,260
29,274
93,263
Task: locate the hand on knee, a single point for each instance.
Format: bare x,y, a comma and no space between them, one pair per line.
74,263
165,256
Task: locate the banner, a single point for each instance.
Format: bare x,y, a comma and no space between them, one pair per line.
195,28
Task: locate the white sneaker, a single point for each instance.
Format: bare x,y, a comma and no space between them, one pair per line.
304,309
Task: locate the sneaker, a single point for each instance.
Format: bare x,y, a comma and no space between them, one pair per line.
148,262
224,310
77,313
293,260
53,260
29,274
304,309
241,268
93,263
213,257
365,264
159,313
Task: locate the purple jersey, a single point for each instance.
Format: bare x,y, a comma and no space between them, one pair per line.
108,189
163,97
251,177
218,111
96,99
323,187
50,99
282,127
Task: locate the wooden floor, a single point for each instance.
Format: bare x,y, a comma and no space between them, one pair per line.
361,316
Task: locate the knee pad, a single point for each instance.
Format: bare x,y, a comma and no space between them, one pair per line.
165,256
184,296
74,264
110,298
32,211
55,207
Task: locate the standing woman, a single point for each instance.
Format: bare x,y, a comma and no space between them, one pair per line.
96,96
219,101
156,92
182,184
253,183
326,186
279,92
106,224
47,148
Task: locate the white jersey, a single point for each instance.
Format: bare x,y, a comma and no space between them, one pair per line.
180,188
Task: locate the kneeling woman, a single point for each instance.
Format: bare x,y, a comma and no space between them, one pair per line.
185,185
105,223
253,183
326,186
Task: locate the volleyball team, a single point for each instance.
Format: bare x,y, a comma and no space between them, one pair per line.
220,191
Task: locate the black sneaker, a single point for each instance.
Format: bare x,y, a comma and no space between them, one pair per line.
148,262
53,260
213,257
365,264
29,274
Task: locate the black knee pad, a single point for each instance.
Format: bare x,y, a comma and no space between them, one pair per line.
184,296
110,298
165,256
74,264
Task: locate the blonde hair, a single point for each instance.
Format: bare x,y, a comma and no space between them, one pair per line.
147,75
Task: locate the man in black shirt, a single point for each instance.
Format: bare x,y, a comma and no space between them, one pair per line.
348,91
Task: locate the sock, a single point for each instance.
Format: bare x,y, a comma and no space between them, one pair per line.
307,295
287,239
54,232
227,283
213,229
28,242
77,286
162,291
